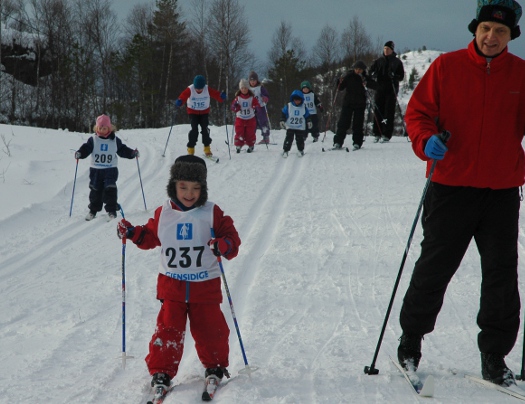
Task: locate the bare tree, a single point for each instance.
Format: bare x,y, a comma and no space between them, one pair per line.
54,20
355,41
327,52
283,41
229,39
287,58
99,22
199,31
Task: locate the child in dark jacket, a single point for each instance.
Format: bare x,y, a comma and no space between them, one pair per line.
192,232
197,97
243,105
295,119
104,147
354,105
313,104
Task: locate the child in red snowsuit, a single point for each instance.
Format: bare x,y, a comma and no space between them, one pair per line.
244,105
189,282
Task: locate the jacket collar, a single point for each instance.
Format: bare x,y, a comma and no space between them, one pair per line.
482,61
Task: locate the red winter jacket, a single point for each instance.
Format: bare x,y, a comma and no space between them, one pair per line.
146,238
483,106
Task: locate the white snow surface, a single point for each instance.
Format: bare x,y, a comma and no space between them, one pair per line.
322,241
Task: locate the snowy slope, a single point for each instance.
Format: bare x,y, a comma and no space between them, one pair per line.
323,237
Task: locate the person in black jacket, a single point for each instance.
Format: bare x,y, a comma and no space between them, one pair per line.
387,71
354,105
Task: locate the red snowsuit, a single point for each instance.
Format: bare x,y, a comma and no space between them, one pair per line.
245,121
181,300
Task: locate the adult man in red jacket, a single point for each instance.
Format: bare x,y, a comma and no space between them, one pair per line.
478,94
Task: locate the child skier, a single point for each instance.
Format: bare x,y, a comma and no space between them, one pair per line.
189,282
261,114
198,108
104,148
312,103
245,123
295,119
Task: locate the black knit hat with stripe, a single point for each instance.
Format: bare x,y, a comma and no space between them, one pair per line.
506,12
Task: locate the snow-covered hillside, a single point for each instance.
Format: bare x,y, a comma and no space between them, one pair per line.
323,237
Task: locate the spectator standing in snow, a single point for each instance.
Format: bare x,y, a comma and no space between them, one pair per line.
353,107
387,71
244,105
189,282
261,114
104,147
475,188
197,97
312,103
295,119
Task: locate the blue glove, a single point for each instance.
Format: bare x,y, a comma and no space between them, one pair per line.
435,148
178,103
223,95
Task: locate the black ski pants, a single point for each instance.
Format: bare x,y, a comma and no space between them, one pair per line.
193,135
103,189
314,118
385,111
299,136
452,216
350,116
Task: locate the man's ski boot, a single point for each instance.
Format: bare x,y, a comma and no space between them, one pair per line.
409,351
494,369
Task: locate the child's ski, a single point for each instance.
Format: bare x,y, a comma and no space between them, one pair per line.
211,383
212,158
336,148
160,395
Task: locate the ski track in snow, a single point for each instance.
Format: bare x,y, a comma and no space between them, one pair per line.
323,237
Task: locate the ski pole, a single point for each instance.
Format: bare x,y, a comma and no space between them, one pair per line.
521,376
140,179
376,112
73,194
169,134
247,369
371,370
401,113
226,125
124,356
331,112
269,125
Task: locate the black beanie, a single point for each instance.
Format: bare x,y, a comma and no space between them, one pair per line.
188,168
253,76
390,44
359,65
